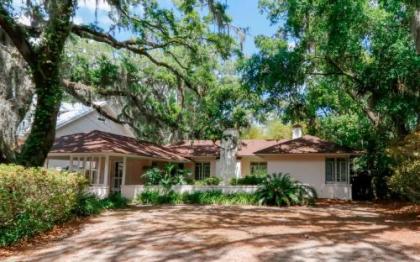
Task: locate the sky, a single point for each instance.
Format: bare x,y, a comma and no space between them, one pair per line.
245,13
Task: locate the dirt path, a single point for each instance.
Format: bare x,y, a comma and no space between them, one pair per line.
201,233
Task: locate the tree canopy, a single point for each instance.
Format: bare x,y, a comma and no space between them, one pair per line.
163,65
348,69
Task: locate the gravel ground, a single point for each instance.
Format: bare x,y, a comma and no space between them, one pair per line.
333,232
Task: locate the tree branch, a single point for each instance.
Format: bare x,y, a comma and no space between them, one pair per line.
87,32
18,35
372,116
71,88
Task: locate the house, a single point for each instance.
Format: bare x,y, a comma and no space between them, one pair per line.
115,163
76,118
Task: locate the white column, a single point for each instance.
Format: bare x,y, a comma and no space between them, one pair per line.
106,171
124,170
98,169
238,168
71,163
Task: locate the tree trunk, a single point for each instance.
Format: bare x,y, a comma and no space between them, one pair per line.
41,138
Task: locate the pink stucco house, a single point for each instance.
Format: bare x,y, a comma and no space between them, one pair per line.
115,163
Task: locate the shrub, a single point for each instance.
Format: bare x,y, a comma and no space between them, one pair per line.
114,201
152,197
34,199
218,198
201,198
153,176
406,180
89,204
209,181
167,177
406,177
281,189
248,180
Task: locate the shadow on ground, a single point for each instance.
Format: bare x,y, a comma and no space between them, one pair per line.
198,233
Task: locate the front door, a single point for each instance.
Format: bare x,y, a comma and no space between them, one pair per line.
118,175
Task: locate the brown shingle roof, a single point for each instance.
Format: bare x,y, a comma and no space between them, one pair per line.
306,145
206,148
197,148
102,142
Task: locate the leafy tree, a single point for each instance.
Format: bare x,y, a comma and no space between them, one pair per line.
406,177
349,69
154,30
271,129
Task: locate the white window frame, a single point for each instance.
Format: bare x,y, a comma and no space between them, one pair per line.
82,165
338,170
201,175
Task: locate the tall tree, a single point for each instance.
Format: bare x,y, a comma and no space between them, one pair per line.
347,67
153,29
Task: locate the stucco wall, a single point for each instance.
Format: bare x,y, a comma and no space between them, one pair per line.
211,160
89,123
245,162
309,170
135,170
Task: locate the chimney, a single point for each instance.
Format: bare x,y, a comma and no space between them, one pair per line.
297,131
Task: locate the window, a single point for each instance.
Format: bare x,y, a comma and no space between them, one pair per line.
202,170
91,169
258,167
78,164
336,170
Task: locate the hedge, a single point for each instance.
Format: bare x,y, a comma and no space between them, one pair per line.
33,200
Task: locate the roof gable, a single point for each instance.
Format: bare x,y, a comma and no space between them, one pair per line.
305,145
102,142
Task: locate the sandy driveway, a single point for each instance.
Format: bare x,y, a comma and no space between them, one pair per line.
203,233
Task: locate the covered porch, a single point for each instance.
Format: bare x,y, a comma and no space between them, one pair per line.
109,162
106,173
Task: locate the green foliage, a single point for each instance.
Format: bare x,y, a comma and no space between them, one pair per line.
34,200
209,181
406,177
151,197
153,176
167,177
406,180
348,69
271,129
201,198
280,189
88,204
254,179
114,201
158,74
218,198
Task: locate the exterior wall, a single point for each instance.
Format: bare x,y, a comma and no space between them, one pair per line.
135,169
130,191
89,123
246,164
211,160
309,170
